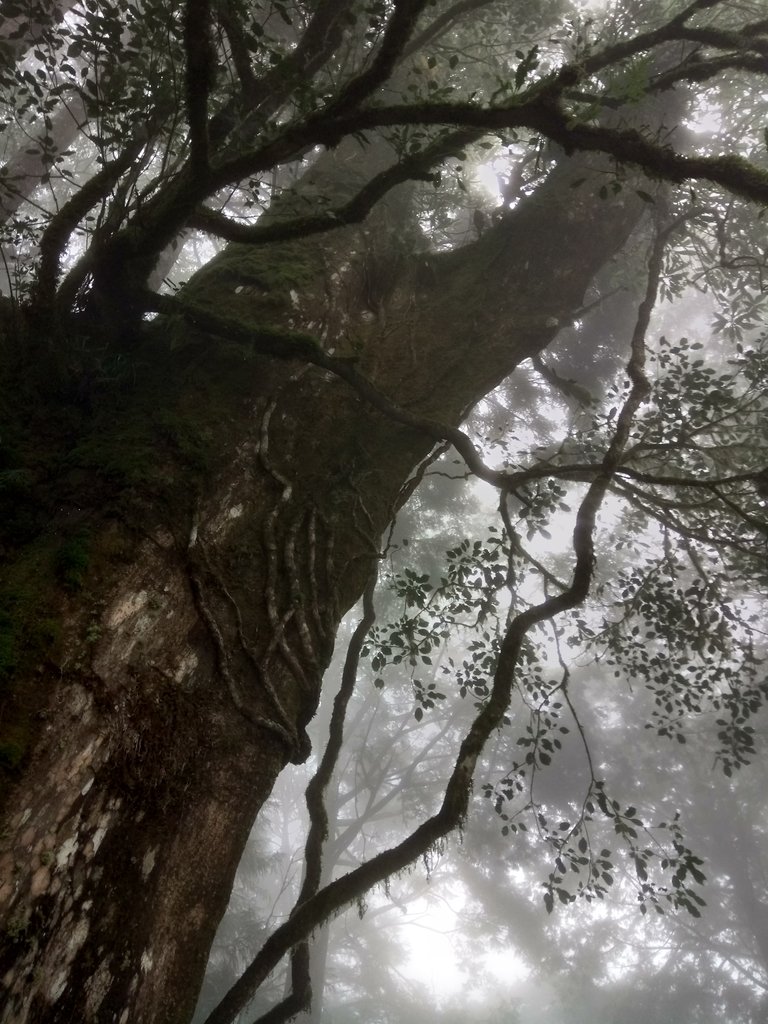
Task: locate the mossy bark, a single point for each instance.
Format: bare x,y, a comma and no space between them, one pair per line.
208,519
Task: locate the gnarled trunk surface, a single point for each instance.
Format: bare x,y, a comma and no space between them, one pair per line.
230,508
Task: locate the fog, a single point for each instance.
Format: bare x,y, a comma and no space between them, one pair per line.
467,934
536,792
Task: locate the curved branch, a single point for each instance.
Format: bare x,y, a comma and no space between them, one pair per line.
56,236
352,212
536,112
701,70
344,890
443,23
318,831
396,35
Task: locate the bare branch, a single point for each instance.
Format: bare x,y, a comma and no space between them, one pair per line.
266,94
241,54
396,35
443,23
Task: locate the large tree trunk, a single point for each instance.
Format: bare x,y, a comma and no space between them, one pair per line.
214,518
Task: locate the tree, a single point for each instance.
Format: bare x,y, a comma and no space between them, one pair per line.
196,484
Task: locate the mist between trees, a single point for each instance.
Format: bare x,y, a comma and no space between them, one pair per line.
384,475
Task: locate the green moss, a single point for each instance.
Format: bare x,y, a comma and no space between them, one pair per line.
27,630
17,926
251,285
257,271
189,438
123,457
12,752
8,657
44,635
71,560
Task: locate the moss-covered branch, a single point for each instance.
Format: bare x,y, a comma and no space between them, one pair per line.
354,109
354,211
61,227
281,343
538,113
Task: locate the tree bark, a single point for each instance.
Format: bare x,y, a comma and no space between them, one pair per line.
232,507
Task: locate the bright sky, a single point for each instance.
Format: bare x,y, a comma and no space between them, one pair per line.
429,932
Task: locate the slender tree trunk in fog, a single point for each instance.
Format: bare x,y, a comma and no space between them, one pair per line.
21,31
28,167
228,509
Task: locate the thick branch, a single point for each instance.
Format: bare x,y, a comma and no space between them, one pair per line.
352,212
397,33
536,113
56,236
199,79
